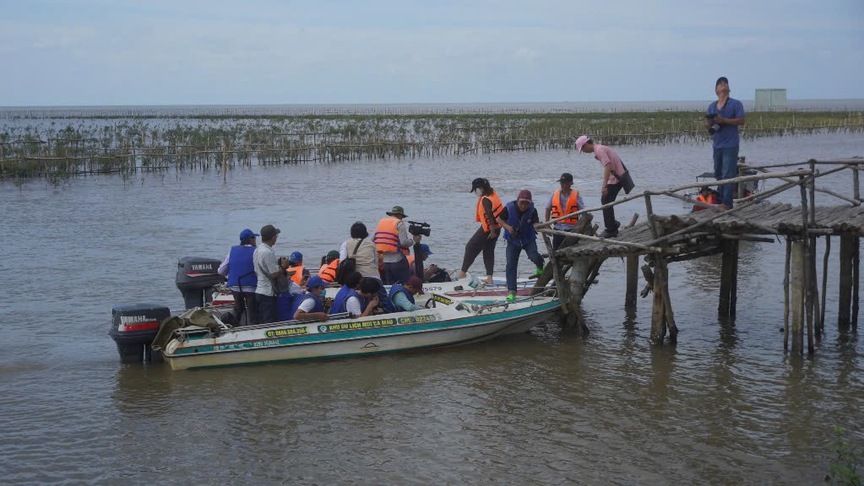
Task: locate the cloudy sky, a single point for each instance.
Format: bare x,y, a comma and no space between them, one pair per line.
102,52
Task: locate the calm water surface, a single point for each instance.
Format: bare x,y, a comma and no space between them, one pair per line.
724,406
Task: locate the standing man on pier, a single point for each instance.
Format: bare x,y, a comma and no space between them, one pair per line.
722,120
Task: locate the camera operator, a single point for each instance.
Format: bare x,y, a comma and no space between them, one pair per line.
393,243
722,120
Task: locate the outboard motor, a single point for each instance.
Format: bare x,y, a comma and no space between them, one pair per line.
196,277
133,327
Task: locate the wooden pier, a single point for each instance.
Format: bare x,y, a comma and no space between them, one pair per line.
662,240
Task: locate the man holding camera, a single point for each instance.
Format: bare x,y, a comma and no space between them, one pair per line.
722,120
393,243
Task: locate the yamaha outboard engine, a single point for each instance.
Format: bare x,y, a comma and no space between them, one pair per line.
196,277
133,327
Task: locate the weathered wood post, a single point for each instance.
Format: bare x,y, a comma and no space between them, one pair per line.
786,303
798,289
728,279
632,281
848,255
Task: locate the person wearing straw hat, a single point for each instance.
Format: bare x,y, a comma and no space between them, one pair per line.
518,219
393,243
612,165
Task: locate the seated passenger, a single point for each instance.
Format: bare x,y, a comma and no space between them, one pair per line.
329,264
706,196
295,263
358,296
402,297
309,306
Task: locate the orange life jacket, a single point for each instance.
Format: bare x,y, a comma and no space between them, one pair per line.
709,199
328,271
571,207
387,236
298,273
497,207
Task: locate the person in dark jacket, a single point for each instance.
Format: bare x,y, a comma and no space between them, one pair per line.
518,219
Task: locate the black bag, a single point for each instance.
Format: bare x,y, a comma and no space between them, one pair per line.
348,265
625,180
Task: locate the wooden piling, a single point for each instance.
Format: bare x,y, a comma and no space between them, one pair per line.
632,281
797,292
729,279
848,250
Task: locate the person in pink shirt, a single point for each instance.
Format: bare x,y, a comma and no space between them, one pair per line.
611,185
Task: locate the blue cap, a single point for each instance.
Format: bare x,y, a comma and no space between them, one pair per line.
425,248
246,234
314,282
295,257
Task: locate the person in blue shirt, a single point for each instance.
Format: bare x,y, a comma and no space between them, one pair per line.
518,219
722,120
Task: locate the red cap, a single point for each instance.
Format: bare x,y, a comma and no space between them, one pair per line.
524,194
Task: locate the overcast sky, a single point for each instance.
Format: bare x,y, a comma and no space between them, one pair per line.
101,52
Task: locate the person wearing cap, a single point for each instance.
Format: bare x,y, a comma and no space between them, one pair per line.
310,305
728,114
329,264
416,263
268,269
242,281
402,296
295,263
564,201
393,242
518,219
486,237
612,165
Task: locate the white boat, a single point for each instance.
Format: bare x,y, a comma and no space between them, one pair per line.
457,318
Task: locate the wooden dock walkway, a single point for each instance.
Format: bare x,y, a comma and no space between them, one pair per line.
664,239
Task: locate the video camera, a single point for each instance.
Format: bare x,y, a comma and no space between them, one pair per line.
416,228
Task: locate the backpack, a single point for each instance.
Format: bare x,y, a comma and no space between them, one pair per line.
348,265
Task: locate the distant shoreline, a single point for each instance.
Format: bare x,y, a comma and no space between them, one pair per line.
389,109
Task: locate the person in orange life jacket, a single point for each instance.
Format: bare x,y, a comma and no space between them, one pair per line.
611,185
486,237
329,264
402,296
563,201
393,242
518,219
295,263
241,277
267,269
706,196
311,305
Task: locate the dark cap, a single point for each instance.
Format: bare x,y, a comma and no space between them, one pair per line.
414,282
269,231
478,183
524,195
566,177
721,79
332,254
397,211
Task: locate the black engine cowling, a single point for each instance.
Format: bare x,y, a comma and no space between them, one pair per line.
196,278
133,327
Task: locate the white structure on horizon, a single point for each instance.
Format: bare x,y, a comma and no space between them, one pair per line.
771,99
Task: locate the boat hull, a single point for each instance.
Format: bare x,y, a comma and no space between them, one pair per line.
355,337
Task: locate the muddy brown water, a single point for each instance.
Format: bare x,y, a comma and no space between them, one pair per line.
724,406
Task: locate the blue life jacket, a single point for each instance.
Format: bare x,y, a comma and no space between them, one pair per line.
395,289
241,271
341,299
284,304
523,224
299,299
